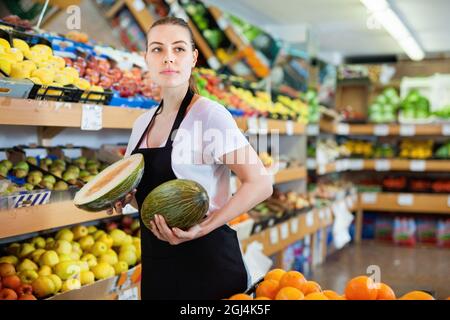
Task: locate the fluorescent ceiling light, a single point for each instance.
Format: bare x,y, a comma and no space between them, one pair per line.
395,27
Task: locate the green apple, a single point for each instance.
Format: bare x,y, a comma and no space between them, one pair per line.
62,247
43,286
87,277
109,258
126,247
103,271
75,256
118,236
56,281
86,242
128,240
64,257
71,284
77,248
79,232
38,242
28,276
90,259
27,264
45,271
129,256
26,249
36,254
67,269
64,234
49,258
9,259
106,238
120,266
98,234
92,229
84,266
99,248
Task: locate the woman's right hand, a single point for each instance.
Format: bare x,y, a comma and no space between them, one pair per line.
118,205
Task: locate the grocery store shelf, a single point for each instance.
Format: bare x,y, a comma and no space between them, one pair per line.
20,221
115,8
226,27
385,165
290,174
142,15
424,203
386,129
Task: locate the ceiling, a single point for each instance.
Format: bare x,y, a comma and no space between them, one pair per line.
343,28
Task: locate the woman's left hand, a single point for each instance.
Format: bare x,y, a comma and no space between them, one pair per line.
176,236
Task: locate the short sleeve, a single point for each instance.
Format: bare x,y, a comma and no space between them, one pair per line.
222,134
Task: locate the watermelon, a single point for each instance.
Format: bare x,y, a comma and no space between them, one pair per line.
111,185
182,203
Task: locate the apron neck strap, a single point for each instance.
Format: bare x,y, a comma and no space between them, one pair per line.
180,115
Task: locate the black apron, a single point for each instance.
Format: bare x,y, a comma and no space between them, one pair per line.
210,267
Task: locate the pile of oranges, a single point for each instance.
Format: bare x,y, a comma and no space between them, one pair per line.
279,284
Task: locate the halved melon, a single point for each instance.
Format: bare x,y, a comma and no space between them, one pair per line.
110,185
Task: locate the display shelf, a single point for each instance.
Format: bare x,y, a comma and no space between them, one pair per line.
140,13
112,11
14,222
290,174
385,165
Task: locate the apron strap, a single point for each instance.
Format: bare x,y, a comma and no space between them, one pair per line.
180,115
158,111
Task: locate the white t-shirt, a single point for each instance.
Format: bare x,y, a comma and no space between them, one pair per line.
207,132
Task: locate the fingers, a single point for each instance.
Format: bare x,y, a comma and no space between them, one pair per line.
109,211
155,231
165,230
118,207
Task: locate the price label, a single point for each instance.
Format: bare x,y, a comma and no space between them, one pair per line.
355,164
3,155
258,228
322,169
369,197
418,165
252,124
381,130
343,128
294,225
284,230
341,165
312,130
222,23
321,214
405,200
91,117
35,152
213,62
289,127
129,294
138,5
311,163
382,165
273,235
446,129
233,185
271,222
407,130
72,152
309,219
262,125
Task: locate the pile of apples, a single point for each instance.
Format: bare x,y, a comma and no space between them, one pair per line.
72,258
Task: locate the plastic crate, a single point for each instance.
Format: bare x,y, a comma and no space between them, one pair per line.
95,97
15,88
65,94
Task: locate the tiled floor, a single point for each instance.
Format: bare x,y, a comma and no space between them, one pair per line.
404,269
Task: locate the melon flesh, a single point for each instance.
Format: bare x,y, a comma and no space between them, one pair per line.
112,184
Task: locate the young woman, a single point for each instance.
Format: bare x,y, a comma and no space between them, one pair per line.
204,262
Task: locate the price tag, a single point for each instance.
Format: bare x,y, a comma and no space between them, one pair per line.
417,165
407,130
213,62
72,153
129,294
405,200
322,169
310,219
91,117
382,165
271,222
343,128
222,23
138,5
294,225
233,184
273,235
262,125
258,228
381,130
355,164
311,163
312,130
321,214
369,197
284,230
289,127
35,152
3,155
446,129
341,165
252,124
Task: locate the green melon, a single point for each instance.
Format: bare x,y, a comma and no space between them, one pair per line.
111,184
182,203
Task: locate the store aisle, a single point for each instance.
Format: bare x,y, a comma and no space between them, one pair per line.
404,269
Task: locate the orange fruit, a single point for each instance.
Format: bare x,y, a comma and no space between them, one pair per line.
385,292
310,287
332,295
417,295
316,296
361,288
275,274
241,296
262,298
289,293
267,288
292,279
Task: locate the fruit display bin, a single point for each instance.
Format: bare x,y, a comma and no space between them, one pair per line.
95,97
25,199
137,101
61,94
15,88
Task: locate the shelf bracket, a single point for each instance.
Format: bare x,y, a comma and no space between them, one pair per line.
45,134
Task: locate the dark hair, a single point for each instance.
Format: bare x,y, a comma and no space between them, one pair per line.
179,22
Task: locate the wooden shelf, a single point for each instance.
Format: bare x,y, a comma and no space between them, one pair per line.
227,28
290,174
405,202
20,221
115,8
143,17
